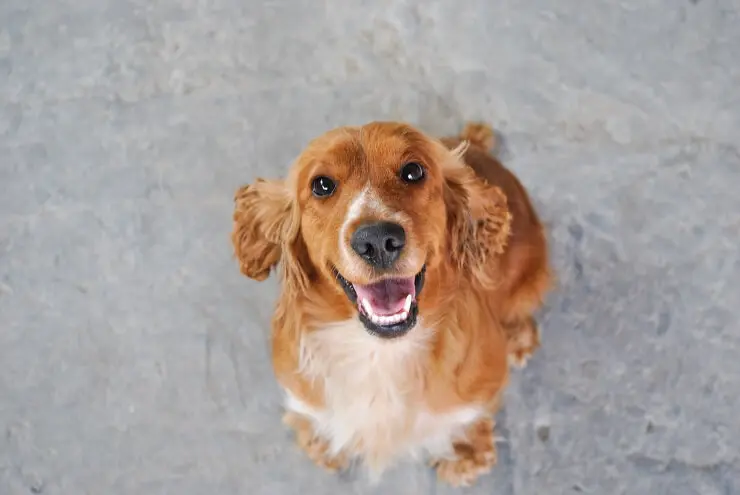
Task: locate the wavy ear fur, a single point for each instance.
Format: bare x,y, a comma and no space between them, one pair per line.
266,231
478,221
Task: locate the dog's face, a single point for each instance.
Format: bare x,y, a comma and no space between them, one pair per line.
373,214
367,209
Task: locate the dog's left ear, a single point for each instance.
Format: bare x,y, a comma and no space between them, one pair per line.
266,230
478,220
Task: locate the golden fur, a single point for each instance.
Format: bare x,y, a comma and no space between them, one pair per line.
432,392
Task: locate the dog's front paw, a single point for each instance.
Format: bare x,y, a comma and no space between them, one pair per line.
523,340
474,456
315,447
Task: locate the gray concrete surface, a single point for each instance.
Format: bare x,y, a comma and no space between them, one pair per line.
132,354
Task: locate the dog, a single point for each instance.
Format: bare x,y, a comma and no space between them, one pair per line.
410,268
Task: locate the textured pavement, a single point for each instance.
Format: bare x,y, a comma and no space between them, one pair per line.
133,356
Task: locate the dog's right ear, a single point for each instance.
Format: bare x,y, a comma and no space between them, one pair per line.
478,221
264,224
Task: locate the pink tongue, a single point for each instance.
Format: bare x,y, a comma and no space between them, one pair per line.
387,296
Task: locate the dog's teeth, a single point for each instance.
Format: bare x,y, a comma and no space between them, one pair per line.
385,320
407,303
368,308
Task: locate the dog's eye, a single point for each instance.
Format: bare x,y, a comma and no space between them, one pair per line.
323,186
412,172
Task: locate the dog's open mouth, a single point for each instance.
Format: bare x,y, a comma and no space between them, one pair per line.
388,308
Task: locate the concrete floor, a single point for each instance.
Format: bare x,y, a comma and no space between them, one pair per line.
133,357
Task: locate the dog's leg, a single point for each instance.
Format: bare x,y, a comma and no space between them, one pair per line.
474,455
523,338
315,447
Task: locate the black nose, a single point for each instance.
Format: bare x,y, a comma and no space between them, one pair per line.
379,243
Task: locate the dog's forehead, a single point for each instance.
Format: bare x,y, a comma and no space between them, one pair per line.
384,142
372,146
340,149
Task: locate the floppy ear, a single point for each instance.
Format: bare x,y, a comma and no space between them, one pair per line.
478,220
266,227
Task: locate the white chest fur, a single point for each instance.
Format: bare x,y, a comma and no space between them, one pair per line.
373,395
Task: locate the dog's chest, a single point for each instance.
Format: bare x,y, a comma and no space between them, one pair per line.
374,395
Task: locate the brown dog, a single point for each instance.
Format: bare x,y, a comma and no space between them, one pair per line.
409,268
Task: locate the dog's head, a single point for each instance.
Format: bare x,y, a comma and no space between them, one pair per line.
372,211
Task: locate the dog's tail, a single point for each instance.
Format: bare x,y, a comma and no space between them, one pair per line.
479,134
